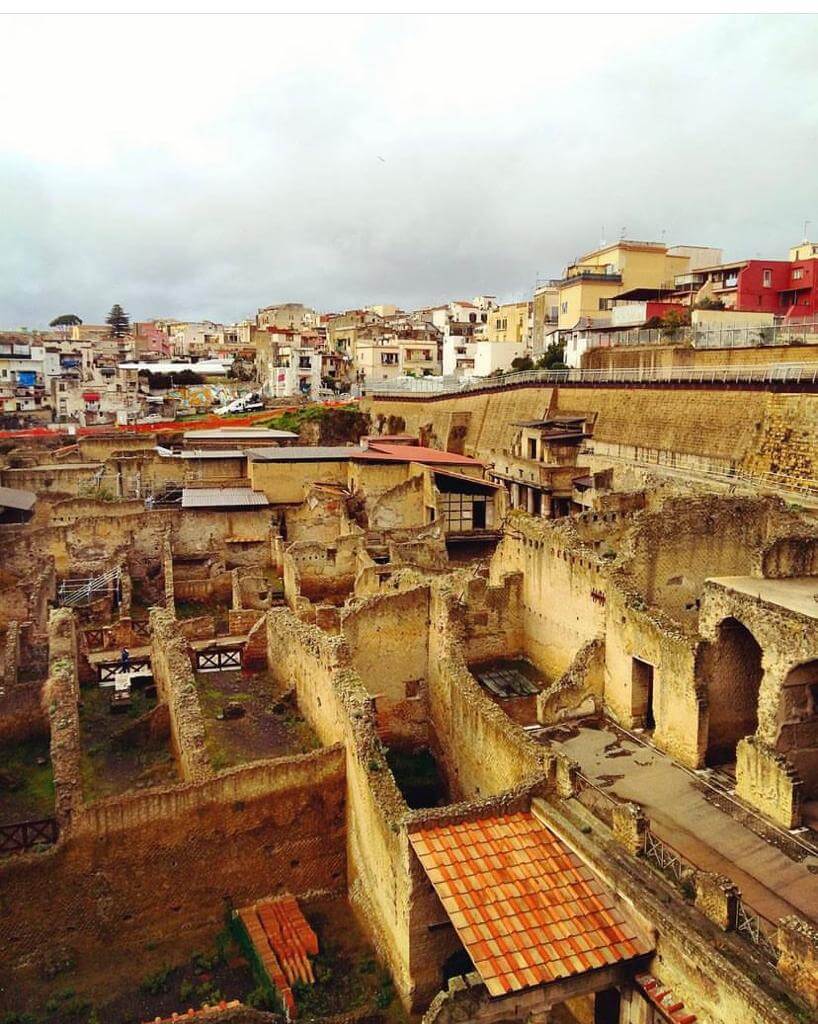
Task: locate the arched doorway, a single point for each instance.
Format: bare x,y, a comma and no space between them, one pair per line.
797,722
733,681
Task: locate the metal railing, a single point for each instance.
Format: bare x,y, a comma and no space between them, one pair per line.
709,336
74,592
758,930
772,373
669,861
750,925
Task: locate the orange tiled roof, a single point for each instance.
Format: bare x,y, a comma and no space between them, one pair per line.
525,907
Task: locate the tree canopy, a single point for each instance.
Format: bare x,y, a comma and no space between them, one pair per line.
119,321
65,320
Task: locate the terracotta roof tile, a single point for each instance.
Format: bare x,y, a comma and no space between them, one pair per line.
525,907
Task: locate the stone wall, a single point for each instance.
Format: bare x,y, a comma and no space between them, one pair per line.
333,699
152,874
756,431
107,531
176,686
483,751
388,637
560,574
60,698
319,572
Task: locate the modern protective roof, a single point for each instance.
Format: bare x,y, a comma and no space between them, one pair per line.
203,453
239,434
379,451
524,905
12,497
462,483
304,453
222,497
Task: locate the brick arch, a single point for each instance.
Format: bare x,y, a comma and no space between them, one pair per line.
733,673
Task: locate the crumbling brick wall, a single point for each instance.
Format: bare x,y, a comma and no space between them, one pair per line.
153,873
176,686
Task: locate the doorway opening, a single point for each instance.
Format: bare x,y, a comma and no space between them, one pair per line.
642,708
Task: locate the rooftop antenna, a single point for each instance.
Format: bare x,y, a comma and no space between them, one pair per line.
602,237
806,230
622,235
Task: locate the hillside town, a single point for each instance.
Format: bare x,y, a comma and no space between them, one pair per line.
384,666
625,293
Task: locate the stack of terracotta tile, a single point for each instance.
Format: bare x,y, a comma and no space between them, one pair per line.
283,940
290,936
672,1008
197,1015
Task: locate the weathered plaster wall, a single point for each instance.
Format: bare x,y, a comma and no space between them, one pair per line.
388,636
559,575
483,751
335,702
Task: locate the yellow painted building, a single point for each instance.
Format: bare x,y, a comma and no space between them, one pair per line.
599,276
803,251
509,322
544,313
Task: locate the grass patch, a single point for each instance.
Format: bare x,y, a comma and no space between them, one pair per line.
26,787
113,762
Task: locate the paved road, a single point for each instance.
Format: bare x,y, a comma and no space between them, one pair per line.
770,882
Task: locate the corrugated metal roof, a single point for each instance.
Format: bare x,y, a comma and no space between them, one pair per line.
222,497
11,497
239,434
304,453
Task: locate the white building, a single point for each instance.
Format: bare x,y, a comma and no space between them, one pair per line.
297,371
490,356
22,380
459,356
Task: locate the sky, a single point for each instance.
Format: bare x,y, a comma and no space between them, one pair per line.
203,166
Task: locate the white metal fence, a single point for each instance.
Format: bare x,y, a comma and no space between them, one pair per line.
795,373
710,336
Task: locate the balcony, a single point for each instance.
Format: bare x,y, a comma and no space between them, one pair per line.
577,274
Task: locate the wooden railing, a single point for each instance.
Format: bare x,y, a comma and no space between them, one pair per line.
23,835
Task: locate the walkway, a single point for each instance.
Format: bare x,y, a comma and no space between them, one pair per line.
770,882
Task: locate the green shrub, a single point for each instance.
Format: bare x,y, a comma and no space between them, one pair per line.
157,982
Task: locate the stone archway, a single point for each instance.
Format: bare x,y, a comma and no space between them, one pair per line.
733,680
797,724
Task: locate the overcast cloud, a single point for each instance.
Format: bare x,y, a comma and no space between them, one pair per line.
201,167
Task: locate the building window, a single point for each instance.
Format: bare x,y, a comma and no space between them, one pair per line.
767,279
563,307
798,273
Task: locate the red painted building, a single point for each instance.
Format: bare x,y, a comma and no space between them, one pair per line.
783,287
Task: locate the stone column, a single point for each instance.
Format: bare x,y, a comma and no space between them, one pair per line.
565,776
717,898
629,825
798,956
